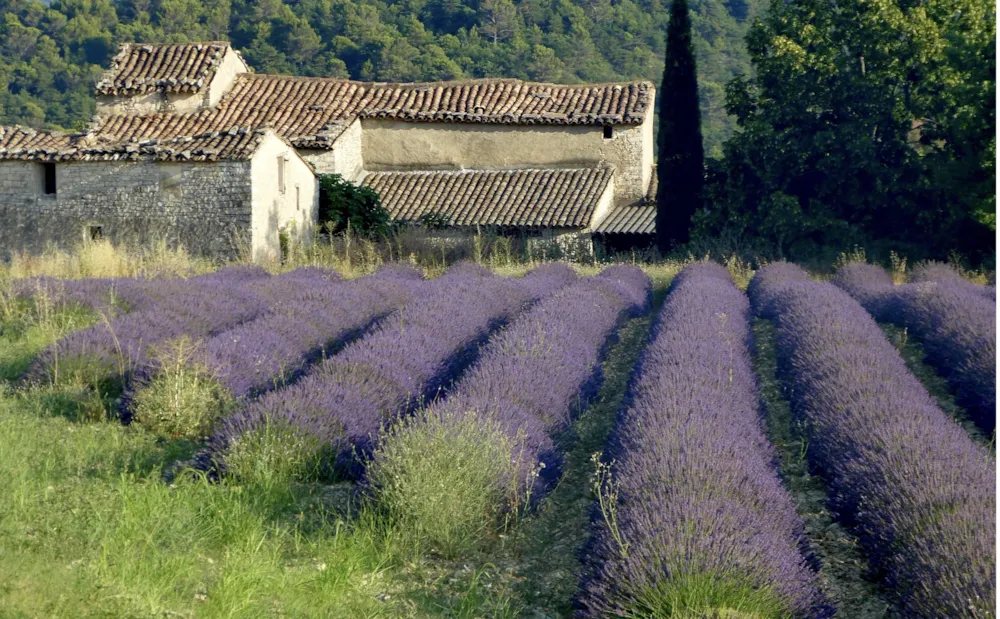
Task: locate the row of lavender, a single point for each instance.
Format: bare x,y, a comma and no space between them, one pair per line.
694,519
954,319
310,320
128,294
408,357
533,375
525,386
918,490
113,351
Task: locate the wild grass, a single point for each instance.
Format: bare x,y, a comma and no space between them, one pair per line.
436,478
276,455
103,259
183,399
706,597
33,324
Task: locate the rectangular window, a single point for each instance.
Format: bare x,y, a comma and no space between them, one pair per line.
609,132
281,173
50,178
298,196
96,233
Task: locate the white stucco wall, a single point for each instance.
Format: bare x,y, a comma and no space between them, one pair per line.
344,158
394,145
604,204
294,209
232,65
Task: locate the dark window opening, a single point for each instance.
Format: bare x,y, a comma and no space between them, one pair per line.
609,132
50,178
96,233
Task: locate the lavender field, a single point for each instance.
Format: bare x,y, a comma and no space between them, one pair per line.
615,441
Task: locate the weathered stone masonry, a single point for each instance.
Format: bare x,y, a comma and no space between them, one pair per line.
204,206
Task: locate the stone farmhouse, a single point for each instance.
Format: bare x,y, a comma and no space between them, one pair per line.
190,145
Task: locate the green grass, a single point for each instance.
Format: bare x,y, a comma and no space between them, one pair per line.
844,566
703,596
26,329
89,528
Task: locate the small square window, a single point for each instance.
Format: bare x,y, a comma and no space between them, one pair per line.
609,132
95,233
49,173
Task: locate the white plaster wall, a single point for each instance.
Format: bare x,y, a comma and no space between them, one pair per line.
389,145
225,76
604,204
344,158
296,209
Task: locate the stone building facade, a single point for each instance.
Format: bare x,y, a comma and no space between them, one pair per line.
219,195
191,146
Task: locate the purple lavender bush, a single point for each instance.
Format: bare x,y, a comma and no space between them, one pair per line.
870,286
692,519
941,273
455,470
951,317
918,490
108,295
183,395
333,413
759,292
107,354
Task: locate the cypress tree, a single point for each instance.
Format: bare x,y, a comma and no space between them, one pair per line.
680,169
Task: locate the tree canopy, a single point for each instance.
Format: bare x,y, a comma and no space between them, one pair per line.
51,54
866,119
681,168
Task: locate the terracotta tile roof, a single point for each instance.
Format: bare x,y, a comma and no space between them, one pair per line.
308,111
27,144
631,219
532,197
20,144
139,68
234,145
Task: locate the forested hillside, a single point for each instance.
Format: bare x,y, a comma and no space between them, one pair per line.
51,54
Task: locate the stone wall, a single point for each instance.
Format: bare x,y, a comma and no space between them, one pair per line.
203,206
395,145
290,204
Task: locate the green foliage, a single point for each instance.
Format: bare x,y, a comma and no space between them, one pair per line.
865,120
344,205
51,53
437,479
183,400
681,167
704,596
275,455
